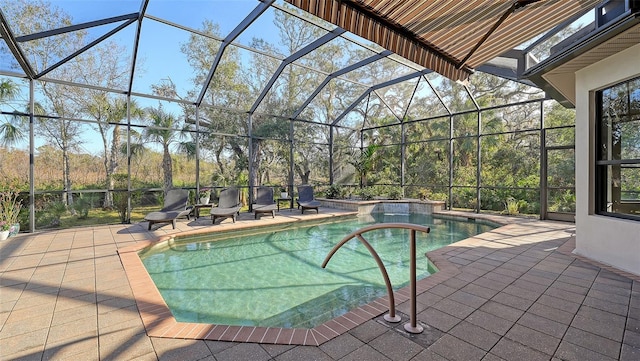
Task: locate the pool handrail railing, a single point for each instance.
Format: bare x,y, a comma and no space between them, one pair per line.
412,326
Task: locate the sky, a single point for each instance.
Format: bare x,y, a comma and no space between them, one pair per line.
159,48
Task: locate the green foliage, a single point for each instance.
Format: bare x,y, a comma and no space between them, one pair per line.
424,194
511,206
509,160
10,206
394,192
121,200
49,216
565,202
367,193
364,162
82,204
335,191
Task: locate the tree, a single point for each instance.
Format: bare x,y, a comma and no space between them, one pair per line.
165,130
109,114
58,129
10,130
364,162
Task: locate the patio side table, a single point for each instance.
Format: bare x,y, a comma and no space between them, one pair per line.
289,199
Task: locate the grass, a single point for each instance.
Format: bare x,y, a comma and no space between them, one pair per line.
98,216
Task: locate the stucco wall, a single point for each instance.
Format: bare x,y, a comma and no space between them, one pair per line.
609,240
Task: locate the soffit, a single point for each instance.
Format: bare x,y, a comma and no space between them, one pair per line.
562,77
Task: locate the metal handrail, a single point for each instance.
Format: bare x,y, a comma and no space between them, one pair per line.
411,327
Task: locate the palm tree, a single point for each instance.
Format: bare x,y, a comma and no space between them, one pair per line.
364,162
108,113
10,132
165,130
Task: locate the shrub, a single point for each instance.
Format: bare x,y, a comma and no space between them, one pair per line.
394,193
10,206
335,191
511,206
83,204
424,194
121,200
366,193
49,216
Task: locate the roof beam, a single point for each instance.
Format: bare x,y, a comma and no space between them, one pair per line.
293,57
85,48
68,29
261,8
379,86
518,4
338,73
12,44
136,43
556,29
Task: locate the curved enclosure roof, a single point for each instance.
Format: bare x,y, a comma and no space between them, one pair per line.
259,57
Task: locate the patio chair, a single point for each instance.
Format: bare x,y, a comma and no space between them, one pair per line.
175,206
305,199
264,202
228,205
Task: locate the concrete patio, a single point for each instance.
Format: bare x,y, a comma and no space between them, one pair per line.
515,293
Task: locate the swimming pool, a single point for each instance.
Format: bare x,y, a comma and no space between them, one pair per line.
273,277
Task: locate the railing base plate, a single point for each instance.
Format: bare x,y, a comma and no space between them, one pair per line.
411,329
394,319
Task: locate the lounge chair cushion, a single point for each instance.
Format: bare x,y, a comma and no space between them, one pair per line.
264,202
175,206
228,205
305,198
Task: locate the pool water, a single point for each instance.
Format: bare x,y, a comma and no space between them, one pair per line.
273,277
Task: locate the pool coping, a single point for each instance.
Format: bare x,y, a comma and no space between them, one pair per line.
159,321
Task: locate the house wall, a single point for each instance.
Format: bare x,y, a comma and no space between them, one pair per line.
609,240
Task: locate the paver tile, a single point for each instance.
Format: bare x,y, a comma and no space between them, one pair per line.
475,304
365,352
629,353
475,335
600,304
483,292
599,327
427,355
542,324
559,303
303,353
489,322
468,299
452,348
341,346
593,342
368,331
514,351
454,308
551,313
502,311
571,352
438,319
513,301
610,297
533,339
396,347
632,338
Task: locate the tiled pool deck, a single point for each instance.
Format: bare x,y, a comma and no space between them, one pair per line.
516,293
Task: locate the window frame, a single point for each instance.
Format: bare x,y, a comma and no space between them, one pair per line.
602,164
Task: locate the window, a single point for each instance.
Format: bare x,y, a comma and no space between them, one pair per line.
618,150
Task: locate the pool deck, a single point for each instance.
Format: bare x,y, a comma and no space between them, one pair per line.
515,293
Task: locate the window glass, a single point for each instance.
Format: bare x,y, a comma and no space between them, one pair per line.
618,161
